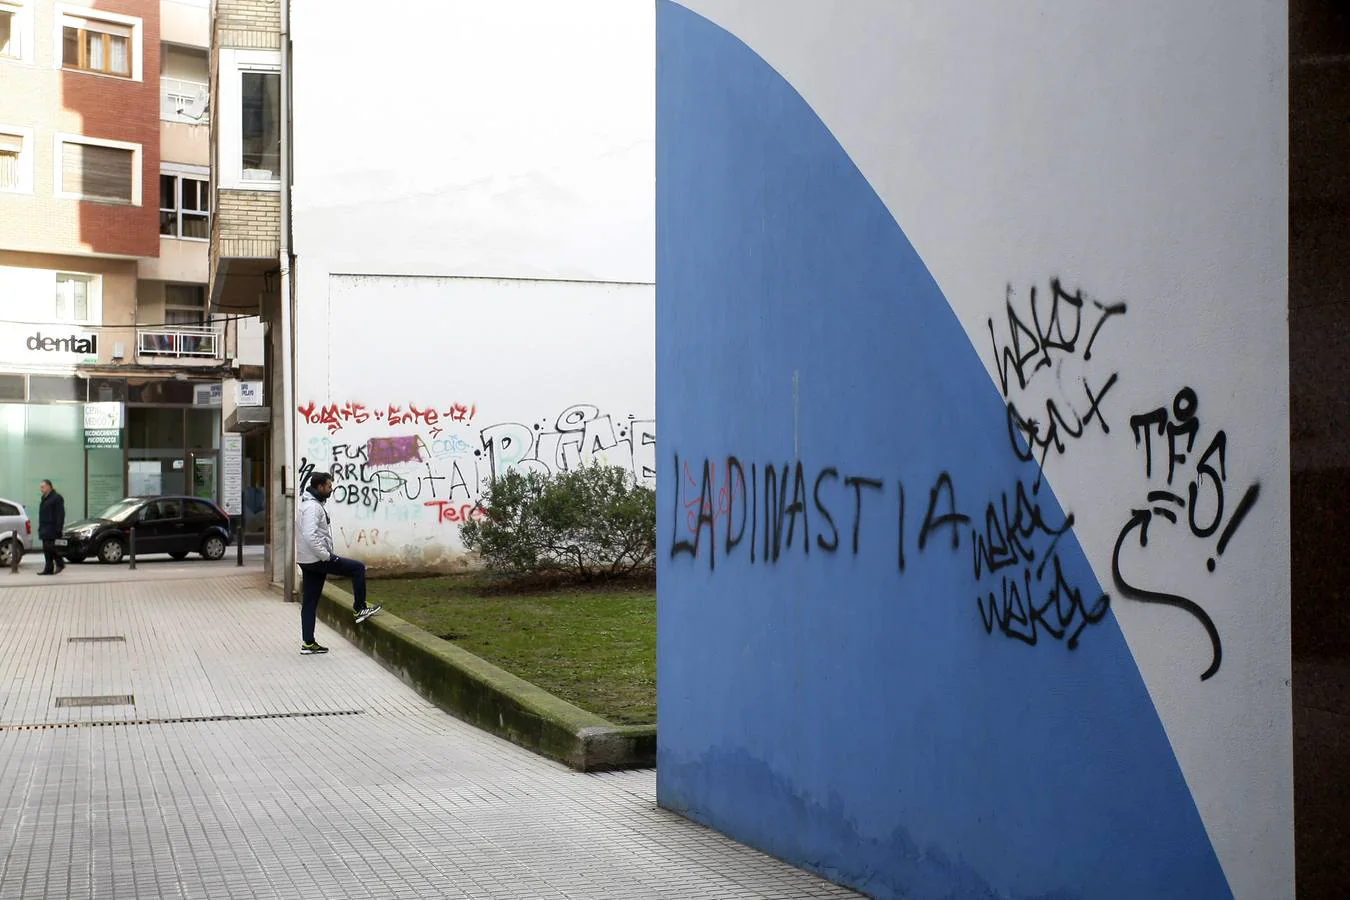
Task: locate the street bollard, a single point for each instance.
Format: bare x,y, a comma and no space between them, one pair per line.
17,550
239,544
133,546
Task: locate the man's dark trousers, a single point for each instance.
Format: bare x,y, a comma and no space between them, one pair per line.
52,559
313,576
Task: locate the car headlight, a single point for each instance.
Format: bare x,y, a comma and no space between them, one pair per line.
87,531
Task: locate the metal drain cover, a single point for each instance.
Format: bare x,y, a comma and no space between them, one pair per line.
175,720
101,700
101,639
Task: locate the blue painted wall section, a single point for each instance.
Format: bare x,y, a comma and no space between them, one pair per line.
845,679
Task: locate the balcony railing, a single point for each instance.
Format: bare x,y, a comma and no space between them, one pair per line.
179,342
184,101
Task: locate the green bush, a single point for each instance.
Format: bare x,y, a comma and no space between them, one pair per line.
593,522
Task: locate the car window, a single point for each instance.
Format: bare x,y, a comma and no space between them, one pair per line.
8,509
196,509
170,509
122,510
150,512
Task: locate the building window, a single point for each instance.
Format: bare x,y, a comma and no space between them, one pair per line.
95,45
184,85
185,304
11,151
76,298
16,160
184,207
93,169
261,126
16,30
11,32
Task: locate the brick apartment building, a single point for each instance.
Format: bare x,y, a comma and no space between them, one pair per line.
246,251
112,368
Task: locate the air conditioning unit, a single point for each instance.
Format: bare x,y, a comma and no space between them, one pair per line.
119,351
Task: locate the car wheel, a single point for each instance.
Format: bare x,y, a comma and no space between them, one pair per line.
7,550
213,547
179,554
111,551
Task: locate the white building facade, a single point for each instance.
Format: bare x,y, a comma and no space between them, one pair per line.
474,258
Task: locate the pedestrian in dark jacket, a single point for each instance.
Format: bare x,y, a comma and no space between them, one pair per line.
51,525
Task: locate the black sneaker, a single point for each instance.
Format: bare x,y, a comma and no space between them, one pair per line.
311,647
366,613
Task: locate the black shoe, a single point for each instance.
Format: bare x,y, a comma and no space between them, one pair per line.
312,648
45,572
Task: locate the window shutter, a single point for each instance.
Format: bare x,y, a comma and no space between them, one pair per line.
11,146
102,173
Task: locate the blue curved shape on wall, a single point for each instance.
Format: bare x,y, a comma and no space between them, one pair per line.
838,712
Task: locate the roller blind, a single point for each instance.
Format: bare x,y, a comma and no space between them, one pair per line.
100,173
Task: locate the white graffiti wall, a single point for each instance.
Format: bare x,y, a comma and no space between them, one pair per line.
448,382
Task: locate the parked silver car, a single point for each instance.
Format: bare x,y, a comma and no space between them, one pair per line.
13,518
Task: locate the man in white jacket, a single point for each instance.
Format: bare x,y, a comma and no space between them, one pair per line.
314,553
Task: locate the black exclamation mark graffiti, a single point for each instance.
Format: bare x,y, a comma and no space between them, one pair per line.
1243,507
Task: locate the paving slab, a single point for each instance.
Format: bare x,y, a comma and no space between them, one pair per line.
221,763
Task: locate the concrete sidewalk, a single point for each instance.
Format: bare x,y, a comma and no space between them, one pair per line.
241,769
148,568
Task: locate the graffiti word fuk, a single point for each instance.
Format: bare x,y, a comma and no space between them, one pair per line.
371,485
762,511
1175,433
336,416
1045,335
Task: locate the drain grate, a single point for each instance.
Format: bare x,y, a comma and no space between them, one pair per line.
99,700
100,639
179,720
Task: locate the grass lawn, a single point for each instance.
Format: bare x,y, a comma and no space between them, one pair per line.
594,647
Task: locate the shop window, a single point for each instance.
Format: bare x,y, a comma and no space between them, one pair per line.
55,388
107,390
155,429
12,388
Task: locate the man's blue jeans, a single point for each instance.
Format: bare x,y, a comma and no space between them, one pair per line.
313,575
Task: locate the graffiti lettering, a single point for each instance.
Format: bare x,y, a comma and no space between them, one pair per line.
1029,347
1031,595
1203,501
447,511
336,416
424,463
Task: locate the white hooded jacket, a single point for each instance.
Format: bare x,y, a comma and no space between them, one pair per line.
314,536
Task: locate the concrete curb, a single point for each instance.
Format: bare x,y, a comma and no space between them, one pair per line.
473,689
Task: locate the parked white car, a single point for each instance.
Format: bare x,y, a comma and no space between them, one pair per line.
13,518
